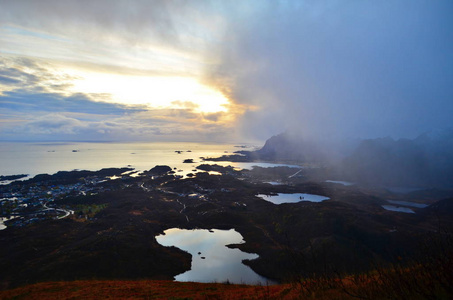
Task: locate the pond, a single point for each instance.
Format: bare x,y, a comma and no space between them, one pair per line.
398,209
345,183
212,261
273,182
292,198
2,225
3,220
407,203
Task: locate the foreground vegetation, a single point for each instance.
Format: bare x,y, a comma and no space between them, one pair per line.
419,281
427,277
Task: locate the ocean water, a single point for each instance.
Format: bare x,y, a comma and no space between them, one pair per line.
49,158
39,158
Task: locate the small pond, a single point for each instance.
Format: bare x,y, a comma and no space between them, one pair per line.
212,261
2,225
398,209
345,183
407,203
3,220
292,198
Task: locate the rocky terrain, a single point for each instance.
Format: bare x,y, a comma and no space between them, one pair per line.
111,234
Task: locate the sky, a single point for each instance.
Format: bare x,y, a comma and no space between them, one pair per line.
223,71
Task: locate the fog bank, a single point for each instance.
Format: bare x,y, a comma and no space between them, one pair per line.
336,70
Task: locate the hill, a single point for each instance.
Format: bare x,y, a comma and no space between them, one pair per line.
426,161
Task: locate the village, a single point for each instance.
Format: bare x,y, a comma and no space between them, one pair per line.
23,203
45,196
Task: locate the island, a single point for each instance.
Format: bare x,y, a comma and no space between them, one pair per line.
12,177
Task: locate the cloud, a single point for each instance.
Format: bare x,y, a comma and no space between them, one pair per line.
336,69
153,36
30,89
27,75
8,80
326,68
143,125
25,101
122,18
54,124
33,109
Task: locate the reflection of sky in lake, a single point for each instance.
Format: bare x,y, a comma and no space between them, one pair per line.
345,183
3,220
220,263
292,198
273,182
2,225
398,209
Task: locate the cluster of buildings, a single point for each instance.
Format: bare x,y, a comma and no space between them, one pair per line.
29,202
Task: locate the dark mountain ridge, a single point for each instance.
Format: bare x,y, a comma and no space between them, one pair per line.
426,161
422,162
288,147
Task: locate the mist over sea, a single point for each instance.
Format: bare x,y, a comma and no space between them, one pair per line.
38,158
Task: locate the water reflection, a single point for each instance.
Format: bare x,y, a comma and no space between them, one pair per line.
292,198
398,209
212,261
345,183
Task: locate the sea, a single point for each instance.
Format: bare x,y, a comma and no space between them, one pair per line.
49,158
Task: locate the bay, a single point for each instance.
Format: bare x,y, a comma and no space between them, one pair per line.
39,158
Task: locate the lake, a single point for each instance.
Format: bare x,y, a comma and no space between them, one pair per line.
398,209
345,183
3,220
2,225
407,203
292,198
212,261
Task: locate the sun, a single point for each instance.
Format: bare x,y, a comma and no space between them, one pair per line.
152,91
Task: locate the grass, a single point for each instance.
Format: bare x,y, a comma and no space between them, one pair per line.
430,280
428,277
88,210
146,289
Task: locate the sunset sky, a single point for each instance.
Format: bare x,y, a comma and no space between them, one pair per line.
223,70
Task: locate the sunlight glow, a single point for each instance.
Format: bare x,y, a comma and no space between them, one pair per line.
152,91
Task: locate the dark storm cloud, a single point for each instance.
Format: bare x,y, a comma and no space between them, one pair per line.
342,68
